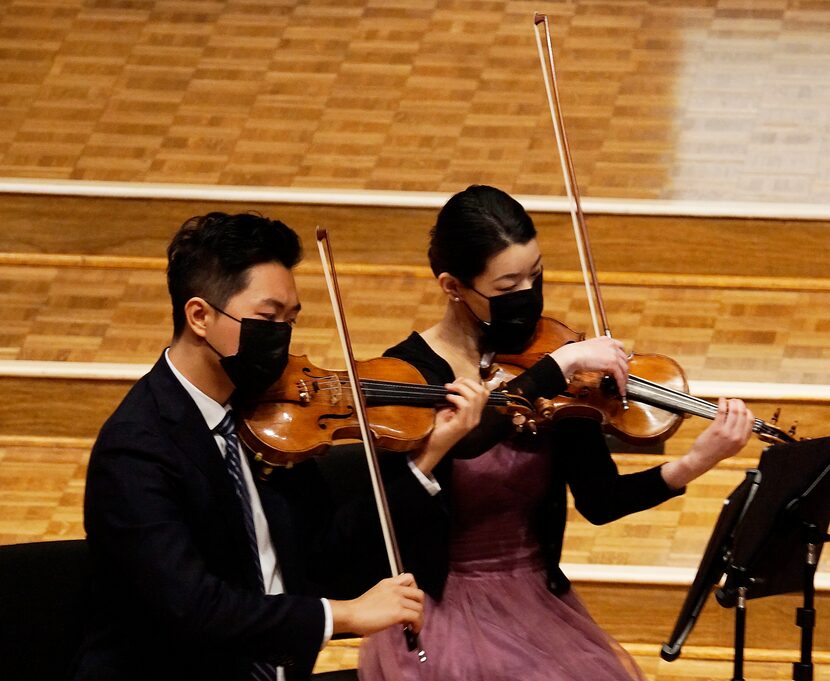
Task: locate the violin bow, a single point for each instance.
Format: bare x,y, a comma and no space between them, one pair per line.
390,540
583,243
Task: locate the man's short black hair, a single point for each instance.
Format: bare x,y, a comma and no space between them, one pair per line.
211,256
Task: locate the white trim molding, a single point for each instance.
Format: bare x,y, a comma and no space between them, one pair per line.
407,199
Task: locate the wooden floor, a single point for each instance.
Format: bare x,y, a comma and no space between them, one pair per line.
715,99
693,99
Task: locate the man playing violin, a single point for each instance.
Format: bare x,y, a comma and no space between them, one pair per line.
201,571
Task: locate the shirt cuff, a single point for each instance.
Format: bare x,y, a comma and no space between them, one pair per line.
429,482
329,626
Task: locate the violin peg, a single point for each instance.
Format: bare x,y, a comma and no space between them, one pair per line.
791,431
775,416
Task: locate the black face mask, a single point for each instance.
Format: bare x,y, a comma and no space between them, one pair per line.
513,319
262,355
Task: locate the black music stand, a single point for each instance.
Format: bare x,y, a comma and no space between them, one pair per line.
767,540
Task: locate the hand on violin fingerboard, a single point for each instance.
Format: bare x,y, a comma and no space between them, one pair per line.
725,437
602,353
467,399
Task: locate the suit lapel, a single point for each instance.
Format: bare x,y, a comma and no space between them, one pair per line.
187,427
189,432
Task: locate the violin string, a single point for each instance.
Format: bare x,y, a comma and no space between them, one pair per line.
496,399
677,394
694,405
336,383
409,391
386,388
662,395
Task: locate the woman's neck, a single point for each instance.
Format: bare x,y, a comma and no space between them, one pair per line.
455,338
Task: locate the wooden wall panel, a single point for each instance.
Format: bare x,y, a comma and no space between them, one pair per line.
662,100
399,236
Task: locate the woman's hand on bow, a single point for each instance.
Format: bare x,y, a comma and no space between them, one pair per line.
603,354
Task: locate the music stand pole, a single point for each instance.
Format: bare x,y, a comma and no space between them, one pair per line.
806,615
740,635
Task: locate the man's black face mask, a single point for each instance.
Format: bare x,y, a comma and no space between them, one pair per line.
262,355
513,319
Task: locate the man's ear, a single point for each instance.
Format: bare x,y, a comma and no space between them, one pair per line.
198,315
450,285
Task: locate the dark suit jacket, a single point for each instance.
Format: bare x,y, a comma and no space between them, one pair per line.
176,593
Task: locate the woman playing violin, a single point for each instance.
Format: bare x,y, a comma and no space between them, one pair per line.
498,605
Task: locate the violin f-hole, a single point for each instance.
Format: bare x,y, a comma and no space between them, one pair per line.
322,418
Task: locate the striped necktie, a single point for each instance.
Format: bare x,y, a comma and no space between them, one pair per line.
259,671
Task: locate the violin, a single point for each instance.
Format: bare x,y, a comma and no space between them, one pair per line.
657,393
309,408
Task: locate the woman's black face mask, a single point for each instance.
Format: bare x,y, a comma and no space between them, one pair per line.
513,318
262,355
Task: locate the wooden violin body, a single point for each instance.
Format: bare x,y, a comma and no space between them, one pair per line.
310,408
592,395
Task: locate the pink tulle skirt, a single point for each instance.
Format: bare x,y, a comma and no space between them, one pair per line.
501,626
